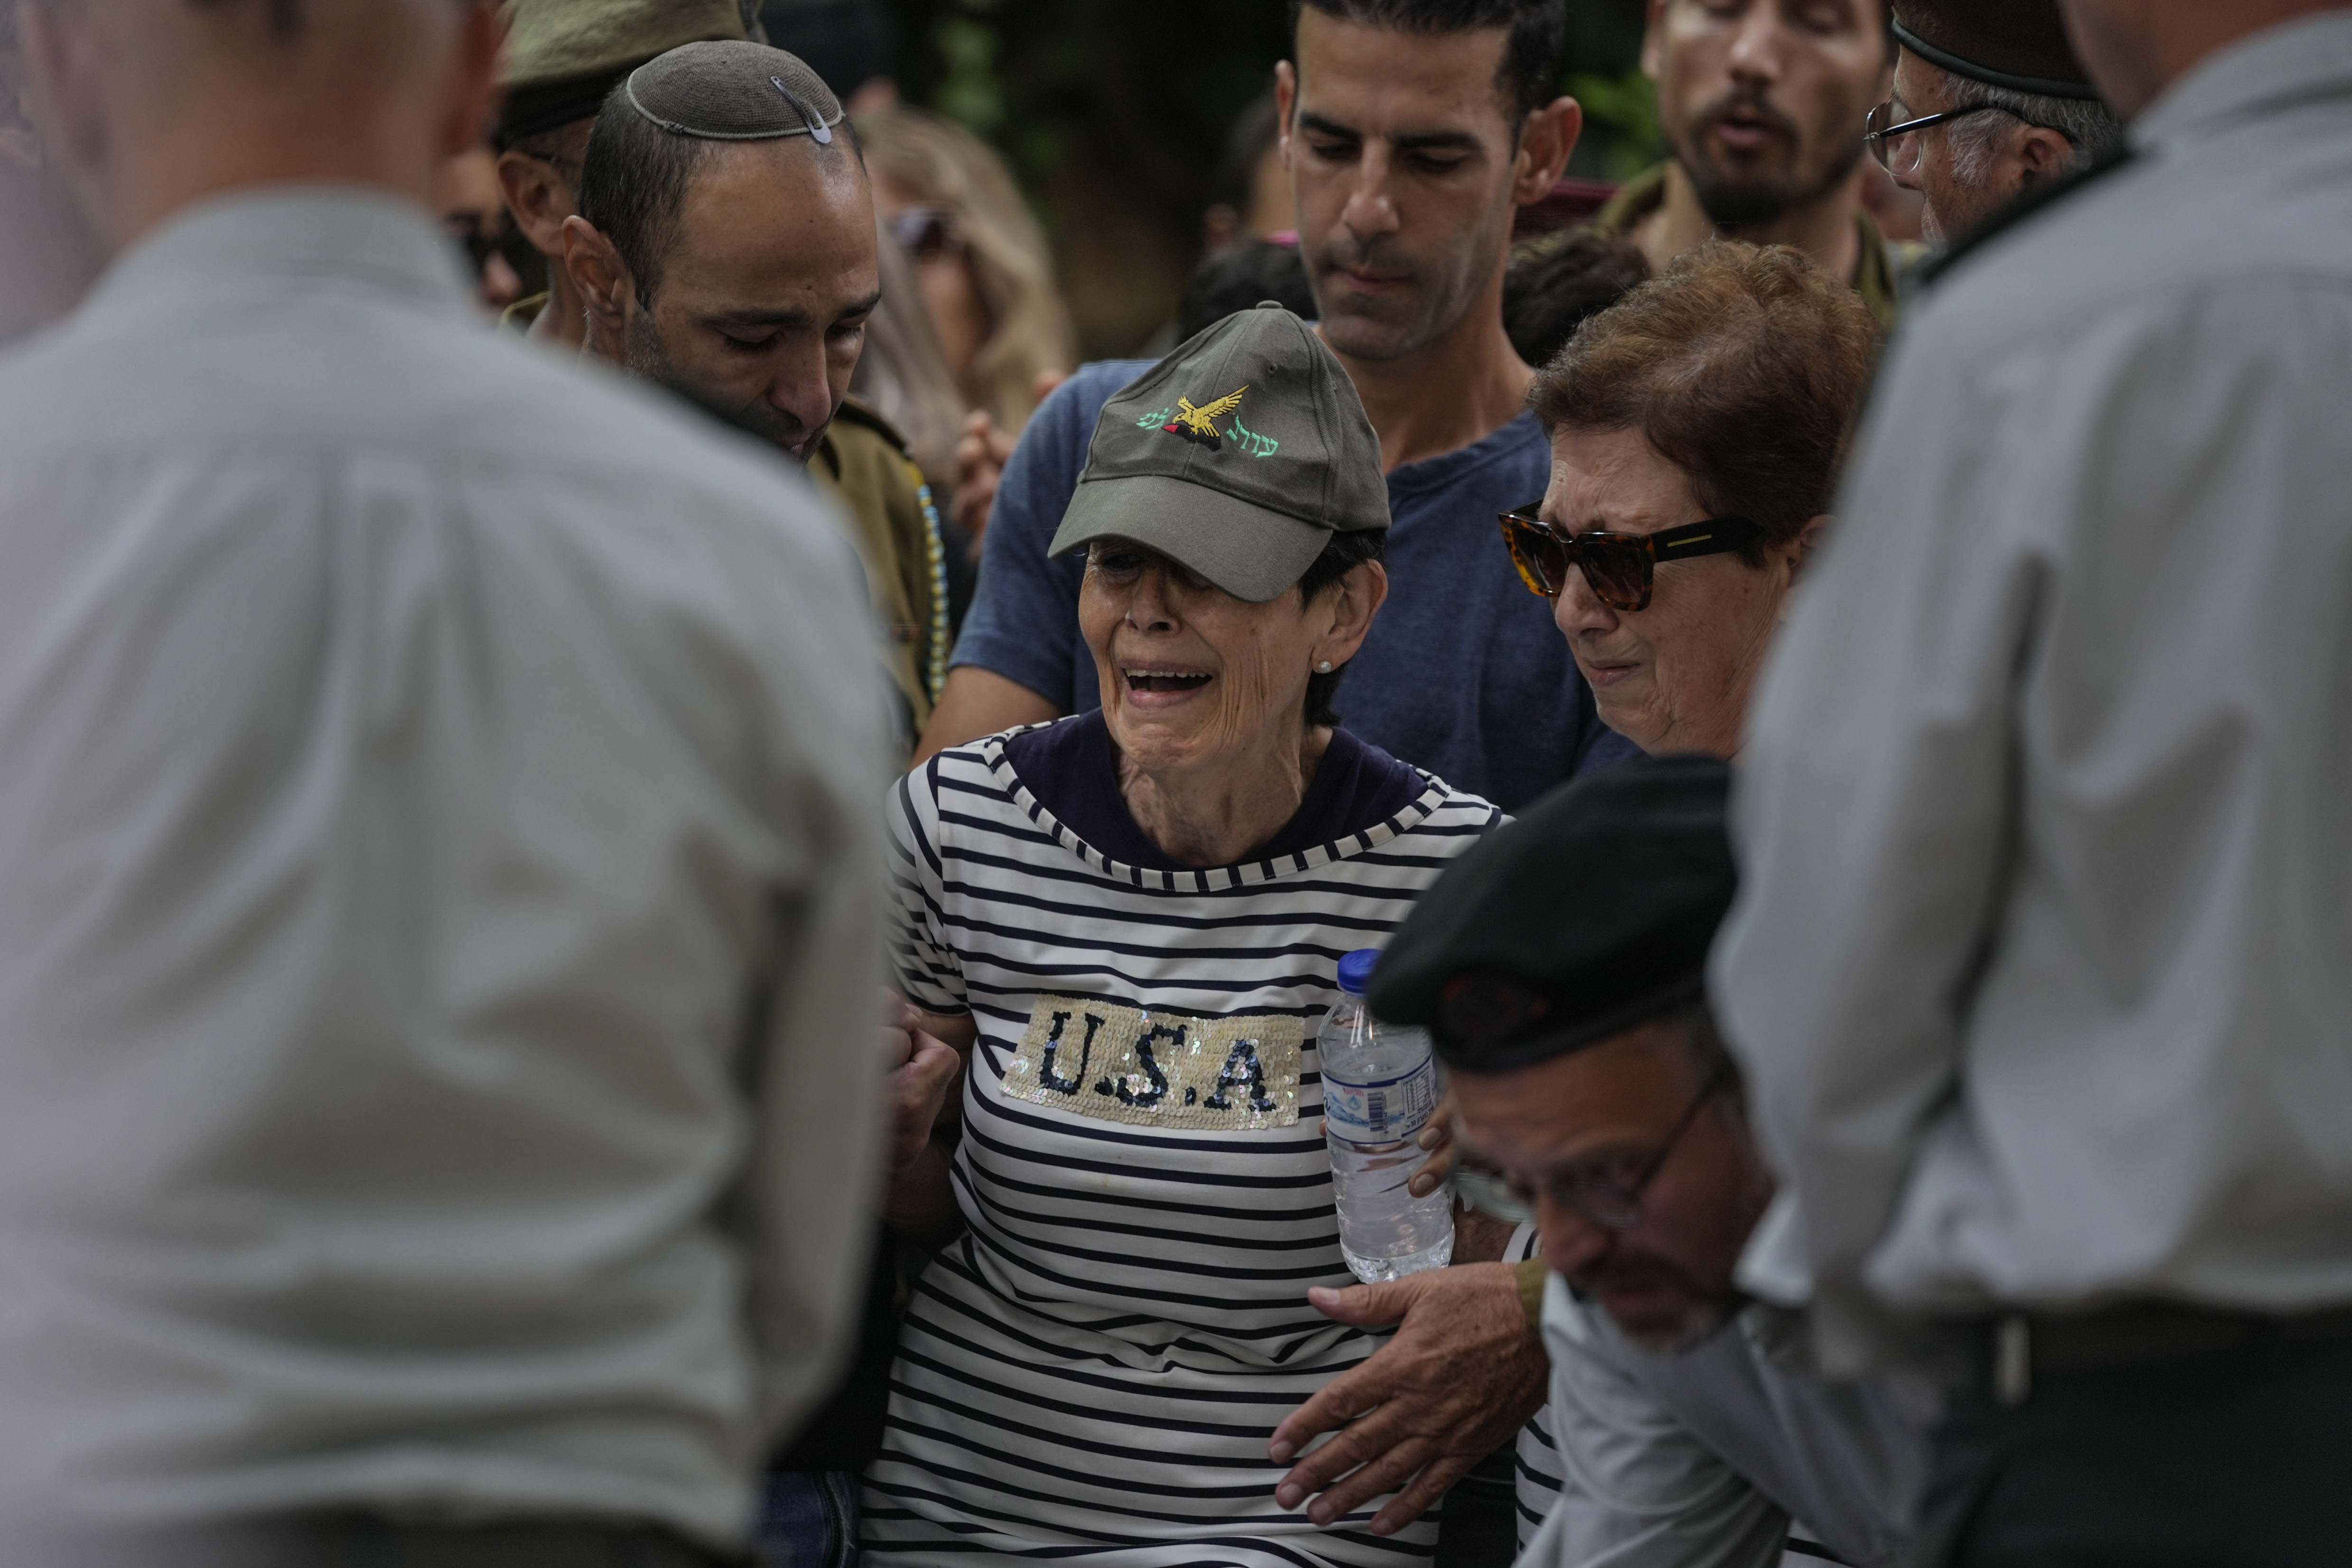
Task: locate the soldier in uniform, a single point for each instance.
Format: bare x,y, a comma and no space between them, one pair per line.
726,247
561,57
1761,106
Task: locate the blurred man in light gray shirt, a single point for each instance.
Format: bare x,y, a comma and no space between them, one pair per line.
2042,969
438,864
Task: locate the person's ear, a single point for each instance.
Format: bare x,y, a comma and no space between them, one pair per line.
1653,40
2044,155
598,274
1286,99
1545,142
475,93
1360,593
1809,539
539,197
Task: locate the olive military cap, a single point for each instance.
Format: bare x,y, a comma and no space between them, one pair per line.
564,56
1237,457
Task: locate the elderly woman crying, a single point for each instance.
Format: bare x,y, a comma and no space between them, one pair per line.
1140,912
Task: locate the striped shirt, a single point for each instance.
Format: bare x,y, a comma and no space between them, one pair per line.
1093,1370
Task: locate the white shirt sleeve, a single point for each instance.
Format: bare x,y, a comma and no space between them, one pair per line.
2035,780
1870,814
1639,1491
819,1106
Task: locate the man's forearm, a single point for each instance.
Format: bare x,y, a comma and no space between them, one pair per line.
980,702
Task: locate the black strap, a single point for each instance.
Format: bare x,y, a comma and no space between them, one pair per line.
2028,203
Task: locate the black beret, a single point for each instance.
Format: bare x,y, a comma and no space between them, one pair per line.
1589,915
2017,44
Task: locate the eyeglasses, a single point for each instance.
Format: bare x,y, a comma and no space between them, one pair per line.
1619,568
921,232
1608,1192
1880,129
480,244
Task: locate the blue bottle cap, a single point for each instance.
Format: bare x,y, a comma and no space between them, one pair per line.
1356,970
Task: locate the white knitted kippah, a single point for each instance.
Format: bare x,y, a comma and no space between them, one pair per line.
728,90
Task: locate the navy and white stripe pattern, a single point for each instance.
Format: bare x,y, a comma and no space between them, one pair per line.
1092,1372
1535,1466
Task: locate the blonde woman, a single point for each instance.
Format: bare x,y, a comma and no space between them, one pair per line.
980,259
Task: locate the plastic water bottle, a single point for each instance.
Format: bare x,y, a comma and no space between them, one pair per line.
1379,1086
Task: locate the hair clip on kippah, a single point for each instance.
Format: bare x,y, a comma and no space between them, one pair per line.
815,121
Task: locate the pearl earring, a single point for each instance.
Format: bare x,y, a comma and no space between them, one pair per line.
1324,668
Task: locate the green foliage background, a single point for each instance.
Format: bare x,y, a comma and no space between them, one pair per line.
1113,113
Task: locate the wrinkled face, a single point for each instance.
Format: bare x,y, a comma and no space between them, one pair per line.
1190,675
1957,196
761,302
1762,101
1401,159
1608,1110
1673,676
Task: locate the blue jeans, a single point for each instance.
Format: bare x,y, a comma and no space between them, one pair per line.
808,1519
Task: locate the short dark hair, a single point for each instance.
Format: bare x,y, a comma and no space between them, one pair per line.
1348,549
1743,367
634,178
1240,277
1710,1061
1548,294
1529,76
1256,129
632,184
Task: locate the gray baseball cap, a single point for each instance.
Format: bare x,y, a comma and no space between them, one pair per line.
1238,456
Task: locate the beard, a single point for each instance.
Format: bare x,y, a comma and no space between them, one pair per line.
1738,194
644,354
1704,1310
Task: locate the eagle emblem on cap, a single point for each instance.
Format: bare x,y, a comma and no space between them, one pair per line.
1197,424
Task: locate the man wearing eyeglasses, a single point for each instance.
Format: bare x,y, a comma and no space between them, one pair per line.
1989,102
1585,1064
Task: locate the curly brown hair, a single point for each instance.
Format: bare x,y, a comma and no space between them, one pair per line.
1743,365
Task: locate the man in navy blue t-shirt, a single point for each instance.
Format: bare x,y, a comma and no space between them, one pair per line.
1411,146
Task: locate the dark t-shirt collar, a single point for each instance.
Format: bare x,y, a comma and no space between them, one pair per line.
1072,769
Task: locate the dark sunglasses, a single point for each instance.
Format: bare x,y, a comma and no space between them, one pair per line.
1619,568
921,232
1609,1193
510,242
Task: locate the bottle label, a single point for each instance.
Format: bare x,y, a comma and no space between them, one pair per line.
1385,1109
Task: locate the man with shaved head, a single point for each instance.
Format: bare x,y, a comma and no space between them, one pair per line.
437,913
725,246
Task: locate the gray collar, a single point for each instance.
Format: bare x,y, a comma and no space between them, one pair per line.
267,237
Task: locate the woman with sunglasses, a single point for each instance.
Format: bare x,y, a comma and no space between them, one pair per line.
1695,429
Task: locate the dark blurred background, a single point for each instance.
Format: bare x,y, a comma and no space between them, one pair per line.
1113,115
